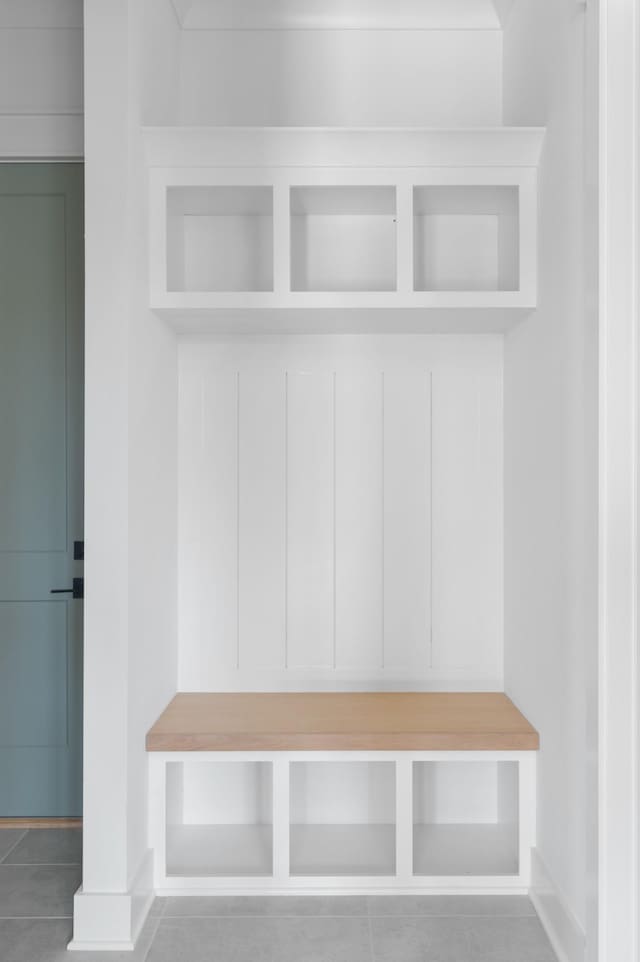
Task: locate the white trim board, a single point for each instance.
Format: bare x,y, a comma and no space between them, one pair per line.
185,146
336,14
42,136
113,920
619,694
565,934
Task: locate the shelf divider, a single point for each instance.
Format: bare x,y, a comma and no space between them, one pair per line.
404,818
281,819
281,240
404,235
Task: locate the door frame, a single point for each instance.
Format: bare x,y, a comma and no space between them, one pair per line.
618,664
42,139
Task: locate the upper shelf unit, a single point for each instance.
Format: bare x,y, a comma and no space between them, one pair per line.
257,230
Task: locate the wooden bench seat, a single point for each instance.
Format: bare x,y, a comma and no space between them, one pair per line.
342,721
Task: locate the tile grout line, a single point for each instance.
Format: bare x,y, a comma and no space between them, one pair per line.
39,864
370,930
13,847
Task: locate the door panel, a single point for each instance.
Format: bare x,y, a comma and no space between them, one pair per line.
33,674
32,374
41,387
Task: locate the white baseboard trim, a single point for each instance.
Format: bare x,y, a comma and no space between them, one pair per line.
560,924
112,921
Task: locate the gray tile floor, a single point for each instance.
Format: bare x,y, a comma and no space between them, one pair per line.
40,870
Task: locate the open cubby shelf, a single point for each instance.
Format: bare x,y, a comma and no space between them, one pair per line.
343,238
219,238
371,821
319,243
466,238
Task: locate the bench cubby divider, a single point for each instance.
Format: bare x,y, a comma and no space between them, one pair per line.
463,858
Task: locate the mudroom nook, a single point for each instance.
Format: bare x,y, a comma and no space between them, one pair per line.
342,456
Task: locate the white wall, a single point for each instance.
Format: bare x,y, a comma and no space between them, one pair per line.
340,512
41,82
326,77
342,78
551,448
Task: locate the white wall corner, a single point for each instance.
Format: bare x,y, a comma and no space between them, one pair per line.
112,921
560,924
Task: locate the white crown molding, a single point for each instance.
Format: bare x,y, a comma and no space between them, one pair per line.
338,14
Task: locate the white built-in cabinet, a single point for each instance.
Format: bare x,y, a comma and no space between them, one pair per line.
340,499
447,235
342,821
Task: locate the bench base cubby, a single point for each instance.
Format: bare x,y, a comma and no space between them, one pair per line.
342,822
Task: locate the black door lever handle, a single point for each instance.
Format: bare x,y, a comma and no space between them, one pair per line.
76,592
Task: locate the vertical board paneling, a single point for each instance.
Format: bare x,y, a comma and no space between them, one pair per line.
467,519
310,519
341,523
407,520
359,548
261,521
208,585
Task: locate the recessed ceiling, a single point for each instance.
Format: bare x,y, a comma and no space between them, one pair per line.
342,14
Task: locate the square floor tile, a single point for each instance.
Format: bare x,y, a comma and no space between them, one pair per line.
421,940
46,940
38,891
9,838
261,940
45,846
33,940
509,940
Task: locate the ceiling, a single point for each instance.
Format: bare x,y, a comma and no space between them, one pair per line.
342,14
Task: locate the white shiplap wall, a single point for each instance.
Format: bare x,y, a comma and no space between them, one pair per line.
340,512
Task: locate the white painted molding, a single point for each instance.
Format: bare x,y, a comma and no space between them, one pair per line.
113,920
337,147
338,14
565,934
42,136
618,801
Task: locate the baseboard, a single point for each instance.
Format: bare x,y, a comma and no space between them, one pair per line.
40,823
564,931
112,921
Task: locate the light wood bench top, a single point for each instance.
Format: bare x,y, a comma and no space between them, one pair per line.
342,721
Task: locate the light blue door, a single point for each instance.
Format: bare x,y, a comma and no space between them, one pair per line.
41,485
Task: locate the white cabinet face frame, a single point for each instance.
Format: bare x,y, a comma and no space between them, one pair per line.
282,180
164,811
